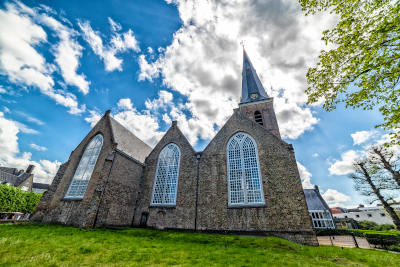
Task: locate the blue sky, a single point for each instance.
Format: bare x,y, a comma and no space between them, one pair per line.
64,63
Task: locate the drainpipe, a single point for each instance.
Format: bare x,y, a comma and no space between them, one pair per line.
104,191
137,197
197,191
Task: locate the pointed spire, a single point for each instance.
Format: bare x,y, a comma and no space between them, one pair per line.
252,89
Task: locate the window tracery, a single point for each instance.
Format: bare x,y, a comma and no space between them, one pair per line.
85,168
167,174
244,176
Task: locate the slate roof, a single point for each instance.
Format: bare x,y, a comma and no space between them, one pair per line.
7,177
9,170
12,178
252,89
128,142
315,200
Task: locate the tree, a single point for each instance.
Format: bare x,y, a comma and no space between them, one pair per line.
371,182
388,160
367,55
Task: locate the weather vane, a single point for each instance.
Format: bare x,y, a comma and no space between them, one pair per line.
242,43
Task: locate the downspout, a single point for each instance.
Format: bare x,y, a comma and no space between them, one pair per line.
104,191
197,191
137,197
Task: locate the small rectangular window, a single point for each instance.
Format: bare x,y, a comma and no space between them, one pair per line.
357,216
369,215
383,214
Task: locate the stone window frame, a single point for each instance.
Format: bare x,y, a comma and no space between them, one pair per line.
245,203
80,184
170,204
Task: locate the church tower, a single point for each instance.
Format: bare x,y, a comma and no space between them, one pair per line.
255,103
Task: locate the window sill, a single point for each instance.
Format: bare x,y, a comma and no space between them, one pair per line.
247,206
72,199
162,206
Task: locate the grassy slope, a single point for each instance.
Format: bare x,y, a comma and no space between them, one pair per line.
50,245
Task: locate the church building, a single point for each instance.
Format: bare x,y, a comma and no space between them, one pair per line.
245,181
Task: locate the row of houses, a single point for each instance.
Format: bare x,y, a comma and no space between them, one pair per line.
22,179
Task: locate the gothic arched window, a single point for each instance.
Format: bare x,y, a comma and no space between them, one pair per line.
258,118
167,173
244,177
82,175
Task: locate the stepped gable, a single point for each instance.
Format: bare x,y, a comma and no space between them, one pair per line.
128,142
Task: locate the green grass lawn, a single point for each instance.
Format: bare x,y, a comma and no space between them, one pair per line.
28,244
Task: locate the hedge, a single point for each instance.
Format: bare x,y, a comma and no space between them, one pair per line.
13,199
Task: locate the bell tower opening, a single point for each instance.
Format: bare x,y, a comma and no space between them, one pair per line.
255,102
258,117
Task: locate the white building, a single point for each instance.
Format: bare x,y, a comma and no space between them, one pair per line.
376,214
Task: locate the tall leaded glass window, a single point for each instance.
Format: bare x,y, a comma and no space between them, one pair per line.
82,175
244,177
167,173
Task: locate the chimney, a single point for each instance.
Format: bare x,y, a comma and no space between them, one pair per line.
316,187
30,168
174,123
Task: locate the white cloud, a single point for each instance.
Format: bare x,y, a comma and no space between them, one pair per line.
164,99
360,137
10,154
305,176
67,53
19,60
6,110
315,155
333,205
115,26
334,196
119,43
93,118
204,60
142,124
25,129
345,165
39,148
30,118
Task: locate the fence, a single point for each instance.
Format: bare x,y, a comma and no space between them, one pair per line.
357,239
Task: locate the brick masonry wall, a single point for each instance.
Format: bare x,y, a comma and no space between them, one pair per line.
267,112
286,209
81,213
285,214
181,216
119,199
28,183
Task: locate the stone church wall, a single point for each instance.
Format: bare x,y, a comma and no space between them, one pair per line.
81,213
181,216
119,199
285,213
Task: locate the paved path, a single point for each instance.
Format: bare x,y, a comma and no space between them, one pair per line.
343,241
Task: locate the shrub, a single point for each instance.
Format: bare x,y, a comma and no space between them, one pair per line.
16,200
367,225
